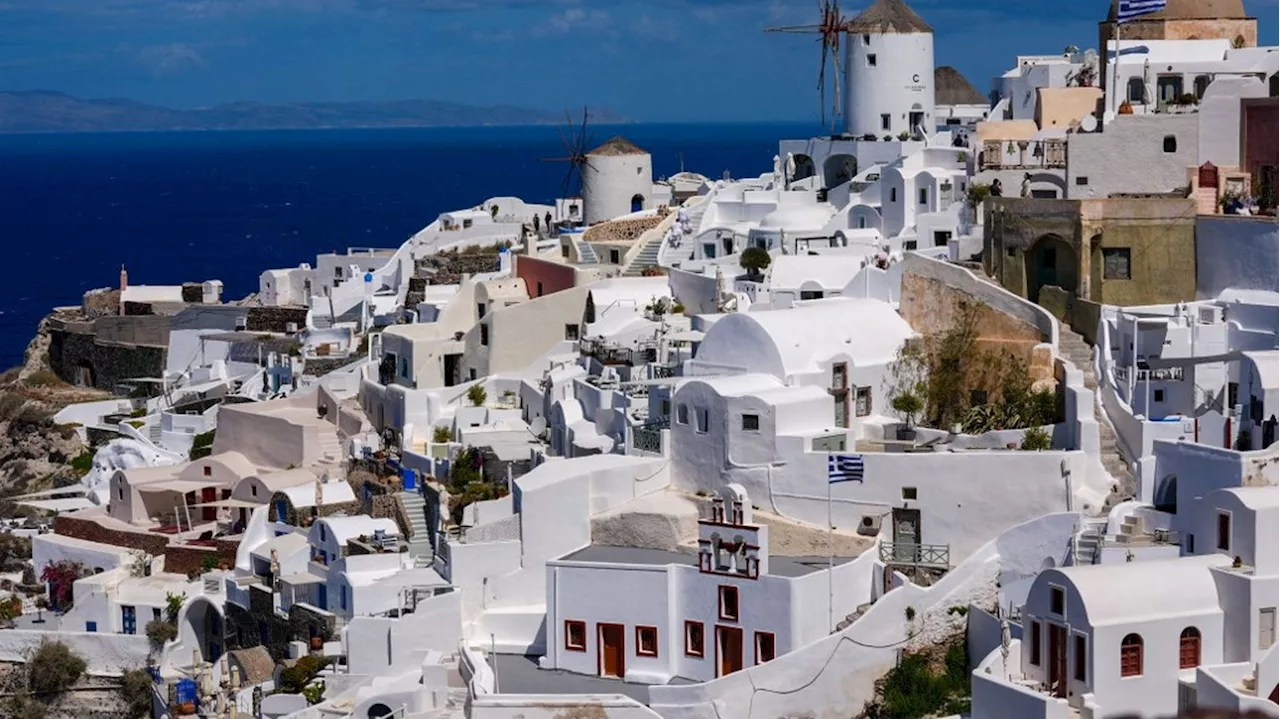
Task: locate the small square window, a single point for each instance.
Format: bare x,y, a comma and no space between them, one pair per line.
1115,263
704,420
1011,251
1081,658
155,613
253,490
1159,396
693,639
893,194
866,39
647,641
909,493
1082,180
751,423
682,413
91,626
871,60
539,289
571,333
1170,143
729,603
484,334
910,245
575,635
208,471
924,195
615,257
884,122
764,647
1057,600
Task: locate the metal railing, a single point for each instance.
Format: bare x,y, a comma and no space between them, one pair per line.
1162,374
916,555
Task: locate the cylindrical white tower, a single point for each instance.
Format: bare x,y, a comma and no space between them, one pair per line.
617,180
888,72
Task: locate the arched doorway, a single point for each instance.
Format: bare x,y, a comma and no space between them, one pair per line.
637,203
202,629
1166,498
1051,261
804,167
84,374
377,711
915,119
839,169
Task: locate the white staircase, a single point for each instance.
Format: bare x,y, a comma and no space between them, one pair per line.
586,253
155,432
648,256
420,543
1089,541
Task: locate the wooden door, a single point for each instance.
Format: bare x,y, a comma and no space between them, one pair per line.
728,650
906,535
209,494
611,650
1058,660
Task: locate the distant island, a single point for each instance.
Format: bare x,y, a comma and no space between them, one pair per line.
46,111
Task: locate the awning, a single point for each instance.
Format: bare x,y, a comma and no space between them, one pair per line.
176,485
67,504
230,503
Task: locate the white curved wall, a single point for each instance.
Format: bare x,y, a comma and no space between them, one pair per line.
900,80
607,190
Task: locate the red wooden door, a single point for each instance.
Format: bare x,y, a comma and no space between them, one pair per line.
728,650
209,494
612,650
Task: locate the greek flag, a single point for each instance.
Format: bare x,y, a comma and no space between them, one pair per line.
1130,9
844,468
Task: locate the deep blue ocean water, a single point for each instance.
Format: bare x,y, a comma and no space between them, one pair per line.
191,206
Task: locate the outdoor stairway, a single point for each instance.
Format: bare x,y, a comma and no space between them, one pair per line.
330,445
420,543
1074,348
154,432
648,256
1089,540
849,620
586,253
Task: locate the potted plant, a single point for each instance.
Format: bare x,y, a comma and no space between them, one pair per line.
908,404
1125,108
904,136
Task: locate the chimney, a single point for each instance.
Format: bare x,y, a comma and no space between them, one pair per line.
124,285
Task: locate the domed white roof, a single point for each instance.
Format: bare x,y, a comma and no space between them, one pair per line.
804,217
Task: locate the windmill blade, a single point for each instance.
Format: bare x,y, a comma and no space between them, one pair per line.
806,29
822,83
582,132
835,85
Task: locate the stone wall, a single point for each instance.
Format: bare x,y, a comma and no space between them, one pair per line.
306,515
275,319
1080,314
135,309
621,230
448,268
112,348
244,626
179,559
193,293
931,305
305,622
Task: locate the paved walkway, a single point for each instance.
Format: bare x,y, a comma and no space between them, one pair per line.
521,675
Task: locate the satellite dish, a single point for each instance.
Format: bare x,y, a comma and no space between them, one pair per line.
1089,123
538,425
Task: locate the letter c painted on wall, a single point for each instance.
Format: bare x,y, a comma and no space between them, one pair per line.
915,78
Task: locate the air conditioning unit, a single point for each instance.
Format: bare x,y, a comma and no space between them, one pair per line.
869,526
291,328
241,323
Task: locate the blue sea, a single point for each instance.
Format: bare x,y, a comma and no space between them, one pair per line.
191,206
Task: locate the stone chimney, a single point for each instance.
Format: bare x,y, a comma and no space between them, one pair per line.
124,285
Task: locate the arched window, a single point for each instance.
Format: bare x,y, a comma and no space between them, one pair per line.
1201,85
1189,648
1131,656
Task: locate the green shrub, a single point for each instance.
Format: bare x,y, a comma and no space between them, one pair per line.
314,693
202,445
135,693
477,395
11,405
441,434
754,260
913,689
52,668
160,633
294,679
82,463
26,706
1036,439
173,606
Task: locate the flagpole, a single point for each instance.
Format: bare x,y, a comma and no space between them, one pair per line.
1115,66
831,560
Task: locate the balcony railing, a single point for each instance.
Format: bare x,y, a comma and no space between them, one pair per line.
659,371
1163,374
916,555
648,437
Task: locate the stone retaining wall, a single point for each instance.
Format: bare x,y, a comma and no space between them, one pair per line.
621,230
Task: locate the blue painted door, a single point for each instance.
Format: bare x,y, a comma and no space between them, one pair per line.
129,620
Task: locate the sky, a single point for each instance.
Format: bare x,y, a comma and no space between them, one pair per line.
651,60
